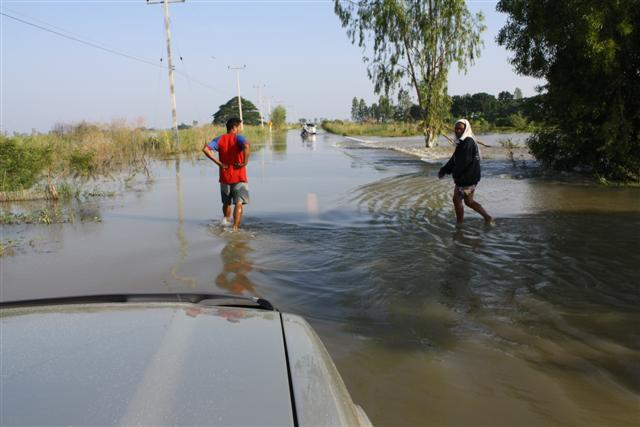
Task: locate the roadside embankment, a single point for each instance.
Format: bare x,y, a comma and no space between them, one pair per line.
499,148
404,129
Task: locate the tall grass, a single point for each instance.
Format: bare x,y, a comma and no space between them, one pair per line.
518,124
87,150
372,129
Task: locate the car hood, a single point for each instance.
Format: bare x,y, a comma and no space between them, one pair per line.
143,364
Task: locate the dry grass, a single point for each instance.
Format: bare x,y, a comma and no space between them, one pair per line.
87,150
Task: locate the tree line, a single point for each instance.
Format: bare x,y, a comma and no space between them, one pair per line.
587,51
506,110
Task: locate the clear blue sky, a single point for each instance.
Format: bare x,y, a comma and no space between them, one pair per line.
296,48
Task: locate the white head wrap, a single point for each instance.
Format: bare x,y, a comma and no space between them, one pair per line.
468,133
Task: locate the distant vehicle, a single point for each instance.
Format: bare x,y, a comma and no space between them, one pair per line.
168,359
309,129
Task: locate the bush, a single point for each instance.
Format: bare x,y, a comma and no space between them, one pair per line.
82,163
20,164
278,117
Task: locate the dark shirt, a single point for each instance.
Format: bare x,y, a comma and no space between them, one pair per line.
464,165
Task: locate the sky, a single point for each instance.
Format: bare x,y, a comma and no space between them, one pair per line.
297,50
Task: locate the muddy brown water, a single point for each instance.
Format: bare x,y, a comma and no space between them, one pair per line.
532,322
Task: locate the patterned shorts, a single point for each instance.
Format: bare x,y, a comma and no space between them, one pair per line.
463,192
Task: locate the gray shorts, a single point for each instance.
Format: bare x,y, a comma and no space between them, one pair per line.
234,193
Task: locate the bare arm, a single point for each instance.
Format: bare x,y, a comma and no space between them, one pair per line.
209,153
246,152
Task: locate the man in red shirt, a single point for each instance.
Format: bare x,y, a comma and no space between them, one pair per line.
233,156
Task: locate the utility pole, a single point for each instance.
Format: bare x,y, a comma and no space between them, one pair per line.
174,114
259,87
238,68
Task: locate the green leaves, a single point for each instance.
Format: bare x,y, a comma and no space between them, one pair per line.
413,43
250,114
589,53
279,117
20,164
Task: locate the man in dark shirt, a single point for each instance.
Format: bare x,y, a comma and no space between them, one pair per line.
464,165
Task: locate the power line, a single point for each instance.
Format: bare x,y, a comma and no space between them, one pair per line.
107,49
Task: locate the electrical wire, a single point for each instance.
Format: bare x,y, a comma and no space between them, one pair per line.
94,45
109,50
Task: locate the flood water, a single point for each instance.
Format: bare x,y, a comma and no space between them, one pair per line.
533,322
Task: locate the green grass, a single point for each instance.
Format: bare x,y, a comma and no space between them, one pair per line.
371,129
80,152
399,129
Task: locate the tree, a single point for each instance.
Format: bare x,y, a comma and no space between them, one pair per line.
374,112
506,96
461,106
250,114
385,109
589,54
355,116
363,111
483,105
403,109
517,94
416,40
279,117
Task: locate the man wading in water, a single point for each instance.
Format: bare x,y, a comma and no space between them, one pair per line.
464,165
233,156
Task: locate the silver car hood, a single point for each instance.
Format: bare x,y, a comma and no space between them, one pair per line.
143,364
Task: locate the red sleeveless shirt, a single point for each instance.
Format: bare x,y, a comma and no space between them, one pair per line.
230,151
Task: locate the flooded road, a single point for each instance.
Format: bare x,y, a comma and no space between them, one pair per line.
533,322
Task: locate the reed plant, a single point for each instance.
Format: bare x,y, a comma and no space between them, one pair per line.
87,150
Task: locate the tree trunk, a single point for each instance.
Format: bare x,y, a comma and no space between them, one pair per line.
429,136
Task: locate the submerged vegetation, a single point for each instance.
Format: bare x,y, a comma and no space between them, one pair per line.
589,56
43,165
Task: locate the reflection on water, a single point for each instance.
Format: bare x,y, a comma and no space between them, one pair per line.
180,234
236,266
278,144
533,322
309,142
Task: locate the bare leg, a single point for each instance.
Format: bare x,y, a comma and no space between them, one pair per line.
457,205
468,200
237,215
226,211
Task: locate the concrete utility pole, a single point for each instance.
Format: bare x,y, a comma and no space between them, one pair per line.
174,114
269,106
259,87
238,68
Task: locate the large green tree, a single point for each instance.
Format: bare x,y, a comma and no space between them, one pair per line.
414,42
589,53
250,114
